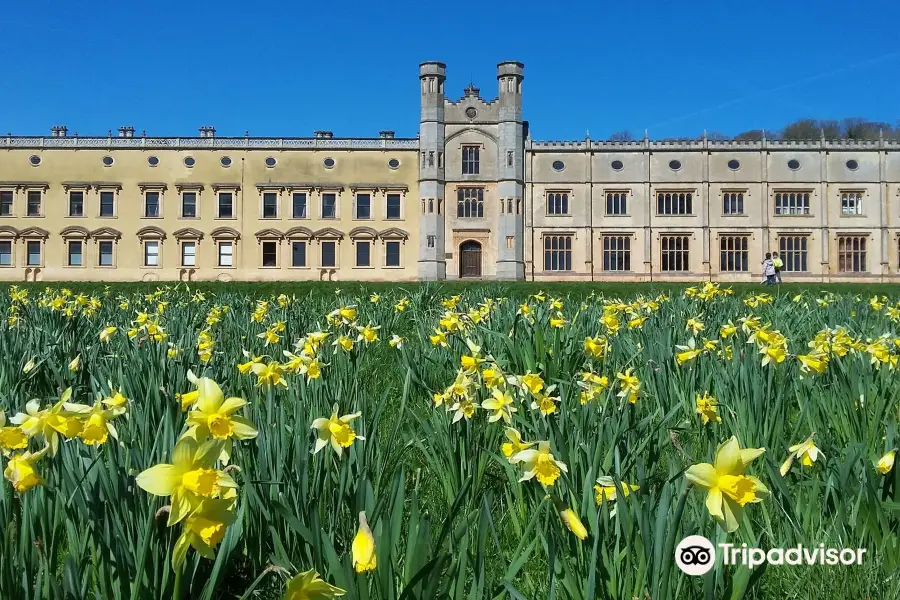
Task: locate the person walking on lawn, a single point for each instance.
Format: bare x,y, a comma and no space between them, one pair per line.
769,270
778,265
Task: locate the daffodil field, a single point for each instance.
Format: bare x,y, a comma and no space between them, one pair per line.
420,443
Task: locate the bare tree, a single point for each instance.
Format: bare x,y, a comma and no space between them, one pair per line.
622,136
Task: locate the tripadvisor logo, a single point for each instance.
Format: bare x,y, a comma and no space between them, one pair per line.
696,555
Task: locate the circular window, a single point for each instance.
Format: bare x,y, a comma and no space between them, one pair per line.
189,161
471,113
108,161
674,164
35,160
328,162
152,161
225,161
270,162
793,164
617,165
852,165
393,163
558,165
734,164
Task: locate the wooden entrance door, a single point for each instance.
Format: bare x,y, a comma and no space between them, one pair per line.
470,259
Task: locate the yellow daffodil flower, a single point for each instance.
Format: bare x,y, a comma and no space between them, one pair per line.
728,488
20,470
595,347
695,325
269,374
886,462
345,343
630,385
532,382
396,341
463,408
204,529
214,416
309,586
501,406
363,548
62,418
570,519
190,477
806,451
539,463
107,333
708,409
75,364
11,437
335,431
29,367
605,489
545,403
515,443
439,338
727,330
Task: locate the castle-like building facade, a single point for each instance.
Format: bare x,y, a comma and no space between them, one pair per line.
471,197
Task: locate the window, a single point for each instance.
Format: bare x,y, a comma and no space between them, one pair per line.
328,254
189,162
226,205
557,252
107,204
34,203
105,258
616,203
393,163
617,165
470,203
558,165
558,203
298,202
188,254
298,254
270,254
329,163
189,205
675,203
393,206
76,204
851,203
271,162
793,164
151,253
791,203
76,251
510,241
33,253
226,254
674,252
225,161
363,206
792,251
151,204
734,164
675,165
329,206
852,254
270,205
5,253
152,161
430,241
363,254
6,203
733,203
108,161
616,253
852,165
470,160
392,254
733,254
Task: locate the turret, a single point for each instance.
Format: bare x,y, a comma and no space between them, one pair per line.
432,264
511,172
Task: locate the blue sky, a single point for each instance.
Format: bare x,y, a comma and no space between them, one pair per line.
288,68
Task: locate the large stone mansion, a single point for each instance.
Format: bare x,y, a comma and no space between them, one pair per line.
472,196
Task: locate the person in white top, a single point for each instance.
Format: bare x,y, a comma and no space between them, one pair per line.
769,270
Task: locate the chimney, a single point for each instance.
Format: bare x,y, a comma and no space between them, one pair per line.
386,135
54,131
126,132
203,130
210,131
63,131
324,135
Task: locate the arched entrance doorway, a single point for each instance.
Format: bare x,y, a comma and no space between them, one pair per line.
470,259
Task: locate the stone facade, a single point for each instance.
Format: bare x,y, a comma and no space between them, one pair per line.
471,197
